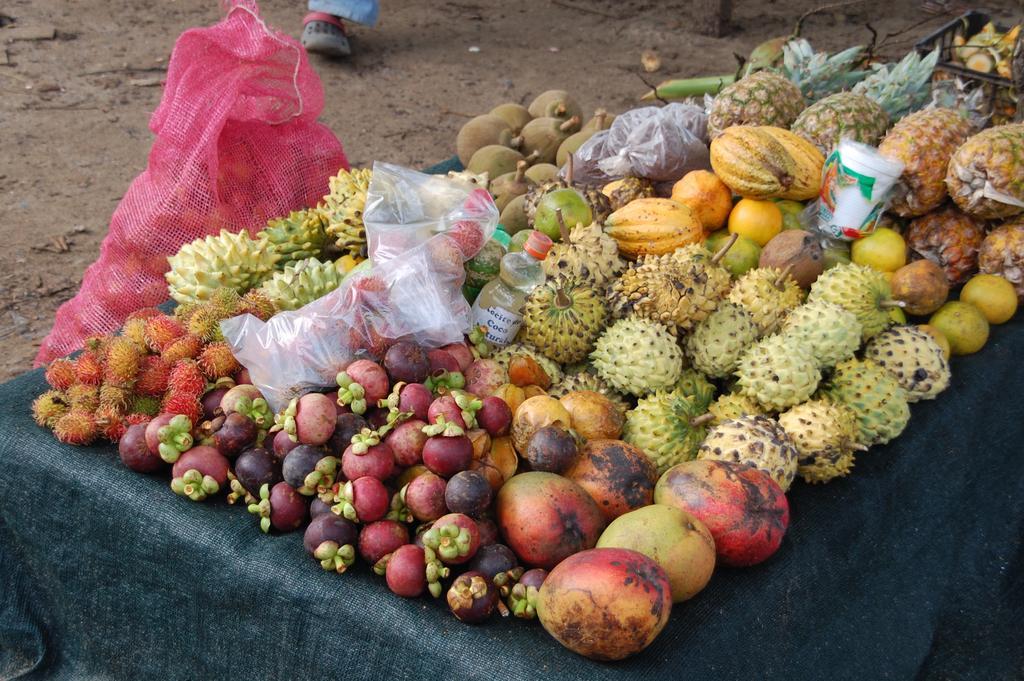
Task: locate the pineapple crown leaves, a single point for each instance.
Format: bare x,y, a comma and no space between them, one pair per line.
819,74
900,88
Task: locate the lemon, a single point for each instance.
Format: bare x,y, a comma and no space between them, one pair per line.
939,337
993,295
883,250
963,325
759,221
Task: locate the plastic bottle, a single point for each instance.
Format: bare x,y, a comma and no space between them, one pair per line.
499,307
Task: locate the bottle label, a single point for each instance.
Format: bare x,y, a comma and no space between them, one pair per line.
502,325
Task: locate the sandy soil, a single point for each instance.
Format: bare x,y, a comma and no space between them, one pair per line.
75,107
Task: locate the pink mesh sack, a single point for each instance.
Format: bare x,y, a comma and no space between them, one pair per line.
237,143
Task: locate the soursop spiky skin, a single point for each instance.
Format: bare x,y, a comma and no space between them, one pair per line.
914,358
755,440
301,283
562,318
717,343
778,373
825,435
859,289
843,115
589,253
665,426
732,406
831,332
234,261
586,380
637,356
296,237
693,383
505,355
875,397
343,210
767,297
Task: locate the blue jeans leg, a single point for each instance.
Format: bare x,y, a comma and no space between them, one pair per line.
358,11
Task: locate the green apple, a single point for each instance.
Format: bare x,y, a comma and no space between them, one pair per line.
575,211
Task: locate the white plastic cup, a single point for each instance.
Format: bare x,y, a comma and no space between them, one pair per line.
855,186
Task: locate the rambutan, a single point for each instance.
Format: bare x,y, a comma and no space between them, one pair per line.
76,427
135,419
186,378
145,313
182,403
152,378
205,324
258,304
122,365
83,397
89,368
186,347
109,423
98,343
224,302
61,374
135,329
49,407
216,361
147,405
114,397
161,331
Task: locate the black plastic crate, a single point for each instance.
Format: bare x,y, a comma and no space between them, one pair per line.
968,24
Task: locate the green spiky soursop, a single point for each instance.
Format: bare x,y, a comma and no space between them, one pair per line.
756,440
301,283
830,331
861,290
732,406
300,235
637,356
717,343
693,383
825,435
668,426
778,372
874,396
914,358
234,261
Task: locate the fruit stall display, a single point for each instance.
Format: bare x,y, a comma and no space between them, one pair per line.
696,349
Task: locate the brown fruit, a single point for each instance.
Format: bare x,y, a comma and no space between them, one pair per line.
798,250
602,120
543,136
515,395
516,115
534,414
478,133
570,145
524,370
542,172
921,285
499,464
513,216
594,416
495,160
556,104
950,238
619,476
552,450
510,185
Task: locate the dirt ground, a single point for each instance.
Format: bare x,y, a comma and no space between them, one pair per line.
80,80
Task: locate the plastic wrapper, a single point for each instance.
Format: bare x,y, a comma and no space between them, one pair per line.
405,208
416,297
659,143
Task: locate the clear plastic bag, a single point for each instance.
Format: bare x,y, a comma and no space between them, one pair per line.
405,208
416,297
659,143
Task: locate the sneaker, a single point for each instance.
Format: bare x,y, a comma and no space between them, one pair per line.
325,34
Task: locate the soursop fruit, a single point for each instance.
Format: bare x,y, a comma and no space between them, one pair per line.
234,261
637,356
778,372
825,435
301,283
343,210
296,237
732,406
562,318
756,440
668,426
830,331
861,290
767,295
717,343
875,397
693,383
914,358
505,355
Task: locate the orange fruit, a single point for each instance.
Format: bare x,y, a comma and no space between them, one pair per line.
707,197
756,220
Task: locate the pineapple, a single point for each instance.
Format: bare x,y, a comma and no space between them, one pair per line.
924,142
1002,253
986,174
900,88
762,98
817,74
949,238
839,116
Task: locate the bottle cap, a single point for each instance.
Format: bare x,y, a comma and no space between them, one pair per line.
502,237
538,244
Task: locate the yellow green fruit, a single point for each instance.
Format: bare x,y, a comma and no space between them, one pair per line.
963,325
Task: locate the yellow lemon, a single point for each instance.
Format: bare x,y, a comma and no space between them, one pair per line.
963,325
993,295
883,250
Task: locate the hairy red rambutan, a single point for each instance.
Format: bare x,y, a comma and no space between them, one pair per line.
205,324
109,423
77,427
153,373
83,397
216,361
135,329
186,378
258,304
145,313
49,407
61,374
135,419
114,397
186,347
122,365
182,403
89,368
161,331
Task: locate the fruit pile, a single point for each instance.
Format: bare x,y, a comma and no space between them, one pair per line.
689,356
